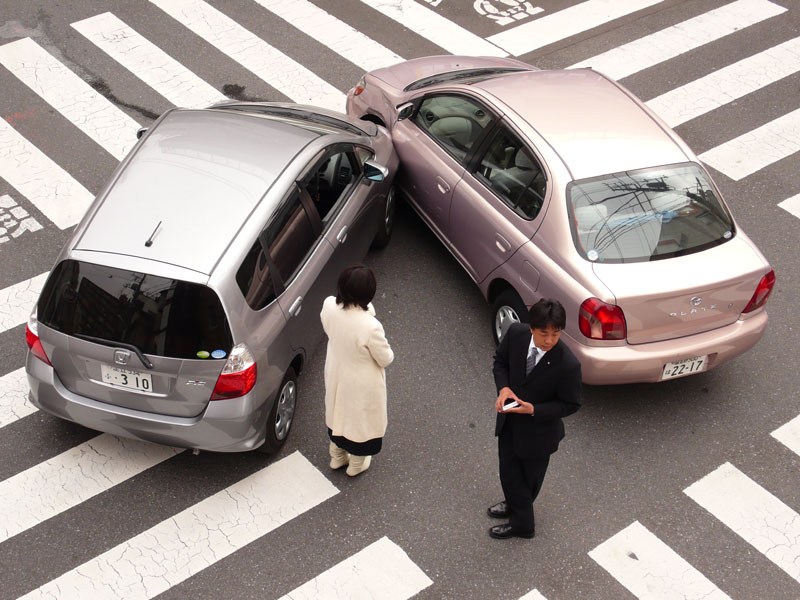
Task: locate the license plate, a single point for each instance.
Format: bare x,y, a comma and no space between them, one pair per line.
133,380
687,366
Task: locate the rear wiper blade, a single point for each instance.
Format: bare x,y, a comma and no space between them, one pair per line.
114,344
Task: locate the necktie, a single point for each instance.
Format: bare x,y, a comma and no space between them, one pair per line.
531,362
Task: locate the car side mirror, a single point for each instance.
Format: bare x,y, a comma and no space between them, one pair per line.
141,131
404,111
375,171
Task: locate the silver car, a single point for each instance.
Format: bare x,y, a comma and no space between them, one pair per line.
187,300
563,184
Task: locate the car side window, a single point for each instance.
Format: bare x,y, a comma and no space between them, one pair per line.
513,173
455,122
278,253
331,180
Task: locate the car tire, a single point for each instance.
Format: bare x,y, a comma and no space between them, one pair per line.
279,421
507,308
387,222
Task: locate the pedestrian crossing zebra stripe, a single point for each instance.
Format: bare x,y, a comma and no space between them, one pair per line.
533,595
753,513
381,570
347,42
14,403
650,569
756,149
148,62
792,206
17,301
789,434
71,96
565,23
728,84
196,538
678,39
65,481
287,76
432,26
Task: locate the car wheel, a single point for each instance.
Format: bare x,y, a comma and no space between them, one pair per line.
280,418
387,223
507,308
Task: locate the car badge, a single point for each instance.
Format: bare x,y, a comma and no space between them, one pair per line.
121,357
696,301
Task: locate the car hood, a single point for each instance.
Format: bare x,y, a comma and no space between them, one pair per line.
676,297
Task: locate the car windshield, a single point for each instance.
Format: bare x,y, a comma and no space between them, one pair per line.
474,75
647,215
157,315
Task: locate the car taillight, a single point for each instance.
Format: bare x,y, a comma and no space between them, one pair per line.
598,320
238,376
360,87
32,338
763,290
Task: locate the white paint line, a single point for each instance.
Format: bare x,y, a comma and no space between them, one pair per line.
14,220
792,205
17,301
340,37
14,403
46,185
533,595
381,570
756,149
673,41
432,26
789,434
557,26
63,482
281,72
650,569
727,84
753,513
181,546
148,62
71,96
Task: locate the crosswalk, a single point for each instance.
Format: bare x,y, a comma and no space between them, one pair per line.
43,195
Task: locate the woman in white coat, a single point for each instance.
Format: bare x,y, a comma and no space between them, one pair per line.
355,381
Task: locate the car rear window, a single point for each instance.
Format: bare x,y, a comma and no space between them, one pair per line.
160,316
647,215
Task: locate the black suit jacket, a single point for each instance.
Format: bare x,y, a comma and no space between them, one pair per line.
553,387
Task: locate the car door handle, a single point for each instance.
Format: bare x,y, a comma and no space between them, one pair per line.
501,243
342,235
443,186
294,309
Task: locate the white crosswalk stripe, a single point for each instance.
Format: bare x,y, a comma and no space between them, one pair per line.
17,301
791,205
754,514
14,403
678,39
789,434
533,595
381,570
650,569
196,538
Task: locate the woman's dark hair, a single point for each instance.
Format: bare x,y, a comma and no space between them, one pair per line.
356,287
546,313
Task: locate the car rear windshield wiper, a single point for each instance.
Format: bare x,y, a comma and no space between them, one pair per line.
114,344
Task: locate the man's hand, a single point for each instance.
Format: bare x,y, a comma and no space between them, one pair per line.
506,395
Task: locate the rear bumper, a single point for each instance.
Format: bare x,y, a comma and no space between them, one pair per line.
609,365
225,426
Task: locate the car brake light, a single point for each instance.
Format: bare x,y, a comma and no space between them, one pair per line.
763,290
360,87
32,338
238,376
598,320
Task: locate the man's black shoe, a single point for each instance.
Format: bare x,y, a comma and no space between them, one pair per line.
499,511
503,532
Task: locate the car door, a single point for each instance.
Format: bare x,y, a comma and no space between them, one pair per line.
496,205
433,145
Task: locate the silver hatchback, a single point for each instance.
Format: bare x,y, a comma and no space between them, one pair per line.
186,302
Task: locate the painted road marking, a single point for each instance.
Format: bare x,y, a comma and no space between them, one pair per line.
753,513
789,434
792,205
14,220
14,403
17,301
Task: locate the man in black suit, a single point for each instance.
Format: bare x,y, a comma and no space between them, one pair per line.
538,382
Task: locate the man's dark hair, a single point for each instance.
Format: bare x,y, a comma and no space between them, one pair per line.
546,313
356,287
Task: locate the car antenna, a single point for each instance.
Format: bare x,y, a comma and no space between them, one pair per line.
149,241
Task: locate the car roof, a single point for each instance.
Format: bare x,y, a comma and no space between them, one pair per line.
190,185
592,123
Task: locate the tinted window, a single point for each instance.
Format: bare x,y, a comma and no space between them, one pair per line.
158,315
647,215
331,180
455,122
513,173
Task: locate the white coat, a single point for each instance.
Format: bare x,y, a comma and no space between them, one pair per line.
355,381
